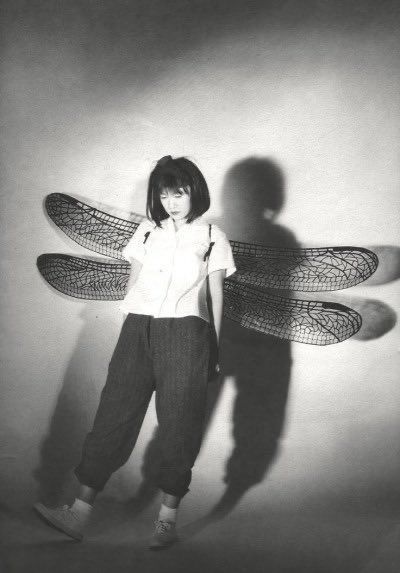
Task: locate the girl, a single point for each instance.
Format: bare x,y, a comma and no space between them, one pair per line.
174,306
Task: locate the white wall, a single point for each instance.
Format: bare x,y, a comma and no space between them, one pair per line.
89,107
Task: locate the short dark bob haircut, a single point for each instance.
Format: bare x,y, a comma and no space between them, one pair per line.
174,174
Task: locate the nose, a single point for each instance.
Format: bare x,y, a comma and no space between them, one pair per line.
171,203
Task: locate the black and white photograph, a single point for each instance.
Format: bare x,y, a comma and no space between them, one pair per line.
200,264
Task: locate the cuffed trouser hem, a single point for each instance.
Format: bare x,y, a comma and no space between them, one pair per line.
174,483
95,484
179,494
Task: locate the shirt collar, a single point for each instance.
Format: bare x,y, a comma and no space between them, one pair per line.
168,224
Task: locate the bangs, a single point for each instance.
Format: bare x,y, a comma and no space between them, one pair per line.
171,179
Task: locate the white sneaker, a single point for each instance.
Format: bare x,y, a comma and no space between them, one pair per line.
63,519
164,535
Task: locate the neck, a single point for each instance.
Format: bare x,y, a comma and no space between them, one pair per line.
178,224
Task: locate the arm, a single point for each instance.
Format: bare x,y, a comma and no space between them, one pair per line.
216,300
135,270
216,285
220,265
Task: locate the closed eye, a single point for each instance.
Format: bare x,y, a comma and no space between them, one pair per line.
176,194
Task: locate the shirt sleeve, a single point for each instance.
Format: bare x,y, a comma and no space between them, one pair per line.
221,256
135,248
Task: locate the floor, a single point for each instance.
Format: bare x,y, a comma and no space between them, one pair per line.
244,541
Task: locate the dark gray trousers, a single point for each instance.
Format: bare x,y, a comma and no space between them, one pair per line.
170,356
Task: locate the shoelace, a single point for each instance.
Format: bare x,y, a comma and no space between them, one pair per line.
162,526
67,508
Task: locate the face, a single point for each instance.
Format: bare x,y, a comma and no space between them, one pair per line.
176,203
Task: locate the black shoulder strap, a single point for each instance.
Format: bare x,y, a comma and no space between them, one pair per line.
208,252
146,235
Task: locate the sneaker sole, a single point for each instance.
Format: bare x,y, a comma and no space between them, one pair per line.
155,546
51,520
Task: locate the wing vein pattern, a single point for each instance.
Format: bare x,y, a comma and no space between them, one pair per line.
310,322
304,269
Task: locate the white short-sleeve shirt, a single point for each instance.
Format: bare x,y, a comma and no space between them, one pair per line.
172,280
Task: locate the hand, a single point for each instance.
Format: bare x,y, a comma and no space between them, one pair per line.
213,365
214,372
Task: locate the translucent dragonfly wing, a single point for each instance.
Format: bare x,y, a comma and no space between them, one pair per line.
85,278
313,269
310,322
90,227
309,269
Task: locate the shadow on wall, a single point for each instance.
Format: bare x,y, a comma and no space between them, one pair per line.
378,318
147,37
389,265
75,408
252,196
